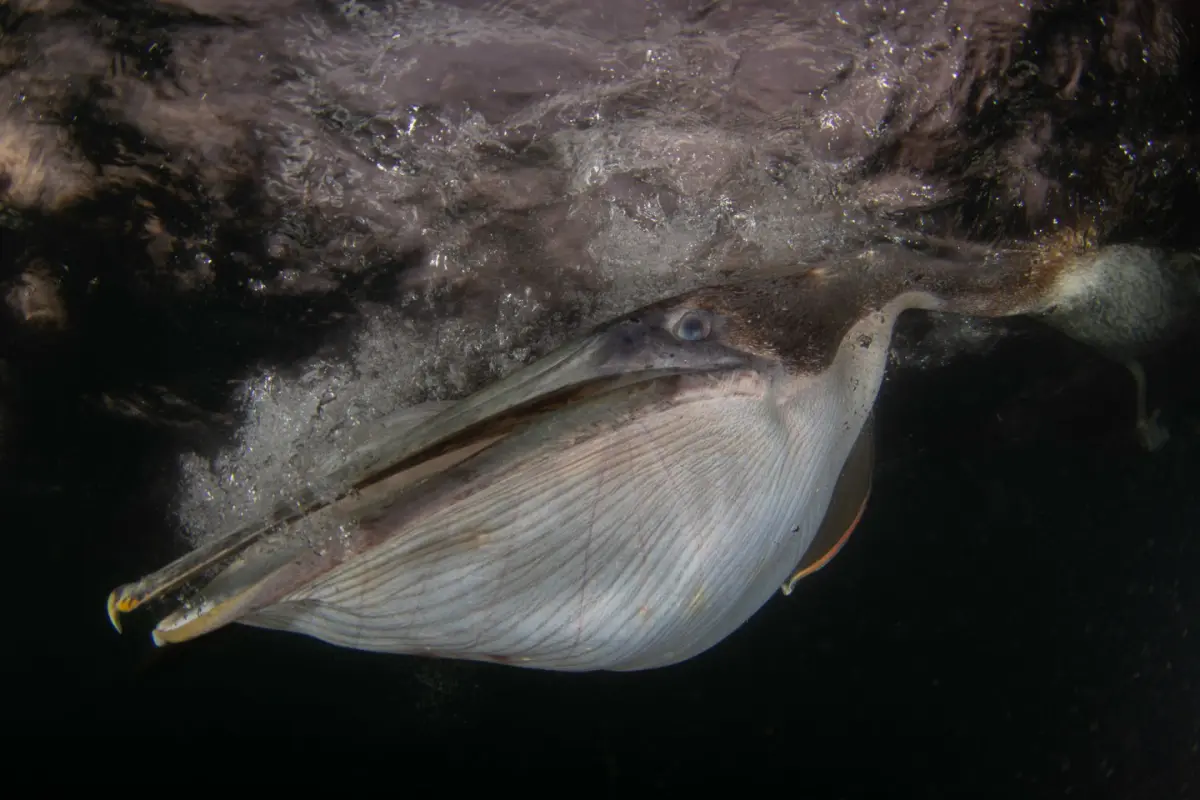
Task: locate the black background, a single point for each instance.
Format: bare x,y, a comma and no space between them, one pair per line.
1013,618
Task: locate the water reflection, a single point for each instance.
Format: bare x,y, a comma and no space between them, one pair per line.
227,225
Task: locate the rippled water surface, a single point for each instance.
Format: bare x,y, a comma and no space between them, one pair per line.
236,232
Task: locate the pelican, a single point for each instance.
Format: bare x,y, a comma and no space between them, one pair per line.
632,498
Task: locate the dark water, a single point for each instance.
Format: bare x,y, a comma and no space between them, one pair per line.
1013,618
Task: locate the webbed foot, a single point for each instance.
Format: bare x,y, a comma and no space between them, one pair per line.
1151,433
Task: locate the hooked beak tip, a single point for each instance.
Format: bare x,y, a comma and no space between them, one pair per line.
120,602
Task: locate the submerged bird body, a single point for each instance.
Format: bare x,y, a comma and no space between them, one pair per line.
1125,301
628,501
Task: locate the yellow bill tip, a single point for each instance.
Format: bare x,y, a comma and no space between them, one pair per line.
121,601
114,609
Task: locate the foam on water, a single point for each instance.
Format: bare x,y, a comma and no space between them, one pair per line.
540,167
641,188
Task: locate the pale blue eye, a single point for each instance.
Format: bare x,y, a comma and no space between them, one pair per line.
694,326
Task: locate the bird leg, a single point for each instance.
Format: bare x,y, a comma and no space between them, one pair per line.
1150,432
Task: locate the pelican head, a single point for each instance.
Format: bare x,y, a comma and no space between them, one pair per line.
624,503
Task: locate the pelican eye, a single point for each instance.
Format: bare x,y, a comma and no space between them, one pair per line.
694,326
